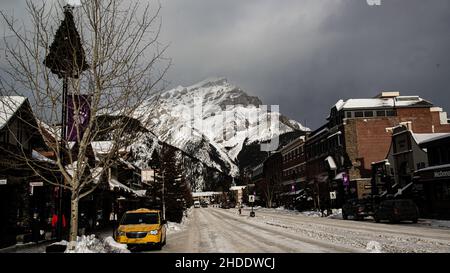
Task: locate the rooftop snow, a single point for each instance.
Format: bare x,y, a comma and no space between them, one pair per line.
423,138
8,106
437,136
401,101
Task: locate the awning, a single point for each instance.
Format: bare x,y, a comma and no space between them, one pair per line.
113,183
339,176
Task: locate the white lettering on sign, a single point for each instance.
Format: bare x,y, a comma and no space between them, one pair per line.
3,182
36,184
442,174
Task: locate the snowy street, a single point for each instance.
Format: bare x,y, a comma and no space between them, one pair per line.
219,230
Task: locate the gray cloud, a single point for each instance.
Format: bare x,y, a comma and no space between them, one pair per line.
306,54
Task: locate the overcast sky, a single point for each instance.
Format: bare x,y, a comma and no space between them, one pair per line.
306,54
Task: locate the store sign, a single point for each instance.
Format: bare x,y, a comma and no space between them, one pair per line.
442,174
3,182
36,184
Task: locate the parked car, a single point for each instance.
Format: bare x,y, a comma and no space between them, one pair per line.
196,204
142,227
396,211
204,204
356,209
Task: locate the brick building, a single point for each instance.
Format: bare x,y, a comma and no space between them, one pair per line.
293,179
357,133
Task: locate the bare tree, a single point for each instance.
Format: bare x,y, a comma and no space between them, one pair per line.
125,67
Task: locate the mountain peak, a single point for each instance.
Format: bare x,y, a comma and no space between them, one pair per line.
212,81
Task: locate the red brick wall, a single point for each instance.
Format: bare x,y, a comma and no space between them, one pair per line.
367,140
373,140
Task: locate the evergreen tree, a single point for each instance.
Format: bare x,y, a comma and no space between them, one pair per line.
176,190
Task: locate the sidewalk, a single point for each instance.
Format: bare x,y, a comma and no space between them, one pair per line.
28,247
40,246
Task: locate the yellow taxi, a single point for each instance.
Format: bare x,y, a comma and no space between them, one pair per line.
142,227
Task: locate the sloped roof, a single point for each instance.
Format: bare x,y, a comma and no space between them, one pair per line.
423,138
9,105
435,137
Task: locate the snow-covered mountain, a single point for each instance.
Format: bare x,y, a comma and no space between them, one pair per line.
213,120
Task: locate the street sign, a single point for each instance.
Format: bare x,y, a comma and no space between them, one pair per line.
332,195
251,198
36,184
3,182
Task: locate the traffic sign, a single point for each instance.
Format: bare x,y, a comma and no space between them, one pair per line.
251,198
332,195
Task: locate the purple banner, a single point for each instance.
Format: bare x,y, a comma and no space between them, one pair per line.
78,115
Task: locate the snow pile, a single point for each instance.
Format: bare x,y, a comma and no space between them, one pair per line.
312,213
90,244
336,214
111,246
86,244
173,227
435,223
374,247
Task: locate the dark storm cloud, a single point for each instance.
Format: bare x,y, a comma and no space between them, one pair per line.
305,55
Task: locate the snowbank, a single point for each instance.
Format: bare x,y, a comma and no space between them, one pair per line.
91,244
173,227
435,223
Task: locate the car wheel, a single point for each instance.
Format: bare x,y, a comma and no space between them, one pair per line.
344,216
415,220
377,220
159,246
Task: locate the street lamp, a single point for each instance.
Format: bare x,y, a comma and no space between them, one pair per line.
66,59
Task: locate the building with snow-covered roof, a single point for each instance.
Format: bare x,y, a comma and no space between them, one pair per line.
434,180
394,175
19,140
358,132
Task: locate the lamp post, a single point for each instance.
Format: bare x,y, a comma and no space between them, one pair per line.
65,59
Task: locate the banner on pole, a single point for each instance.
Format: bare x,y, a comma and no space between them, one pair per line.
79,112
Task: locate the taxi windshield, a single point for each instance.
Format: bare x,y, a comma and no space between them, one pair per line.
140,218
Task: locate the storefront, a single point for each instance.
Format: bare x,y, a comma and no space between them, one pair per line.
434,184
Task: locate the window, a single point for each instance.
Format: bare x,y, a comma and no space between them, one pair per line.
381,113
391,113
368,114
348,114
359,114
